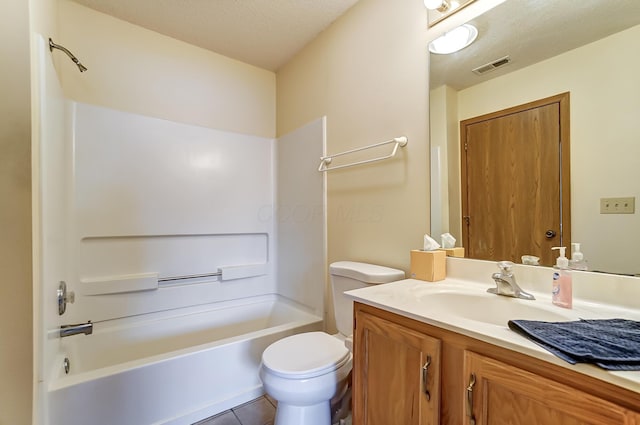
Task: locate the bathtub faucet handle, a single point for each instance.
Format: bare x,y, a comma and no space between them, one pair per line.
64,297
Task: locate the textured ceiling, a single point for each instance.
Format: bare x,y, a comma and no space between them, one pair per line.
267,33
530,31
264,33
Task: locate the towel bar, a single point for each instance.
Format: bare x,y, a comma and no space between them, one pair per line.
398,142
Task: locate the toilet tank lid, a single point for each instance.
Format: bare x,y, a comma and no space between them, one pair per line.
364,272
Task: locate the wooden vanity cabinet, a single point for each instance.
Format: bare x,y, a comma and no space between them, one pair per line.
469,381
499,393
396,372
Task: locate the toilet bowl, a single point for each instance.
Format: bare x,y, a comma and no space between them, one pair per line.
304,372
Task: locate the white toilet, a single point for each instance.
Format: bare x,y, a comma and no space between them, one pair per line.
304,372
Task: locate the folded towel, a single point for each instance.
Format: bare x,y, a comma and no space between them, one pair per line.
612,344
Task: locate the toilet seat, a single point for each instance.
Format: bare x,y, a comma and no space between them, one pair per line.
305,355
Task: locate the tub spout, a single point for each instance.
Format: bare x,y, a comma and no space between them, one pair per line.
82,328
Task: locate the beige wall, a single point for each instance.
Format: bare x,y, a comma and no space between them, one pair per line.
15,215
140,71
604,129
368,73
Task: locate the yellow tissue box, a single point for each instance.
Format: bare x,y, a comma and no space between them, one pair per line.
428,265
454,252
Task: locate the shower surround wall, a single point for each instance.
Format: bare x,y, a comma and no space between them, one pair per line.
153,200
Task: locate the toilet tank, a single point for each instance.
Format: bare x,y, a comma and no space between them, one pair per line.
348,275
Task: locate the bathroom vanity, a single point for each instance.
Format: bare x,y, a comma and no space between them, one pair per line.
442,353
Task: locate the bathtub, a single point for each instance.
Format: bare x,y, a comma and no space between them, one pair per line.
172,367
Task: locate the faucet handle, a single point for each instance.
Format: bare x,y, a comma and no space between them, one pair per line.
505,266
64,297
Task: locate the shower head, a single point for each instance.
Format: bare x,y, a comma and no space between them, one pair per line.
80,66
75,60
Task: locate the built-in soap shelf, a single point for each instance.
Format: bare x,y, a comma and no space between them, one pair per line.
152,281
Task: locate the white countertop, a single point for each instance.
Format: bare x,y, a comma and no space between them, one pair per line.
484,316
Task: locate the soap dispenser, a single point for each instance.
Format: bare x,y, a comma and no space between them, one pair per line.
562,283
577,261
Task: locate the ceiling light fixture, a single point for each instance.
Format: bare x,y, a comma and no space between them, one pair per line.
454,40
442,6
439,5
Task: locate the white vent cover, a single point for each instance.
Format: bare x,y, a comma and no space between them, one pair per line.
483,69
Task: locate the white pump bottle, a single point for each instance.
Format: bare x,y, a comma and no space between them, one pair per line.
562,294
577,261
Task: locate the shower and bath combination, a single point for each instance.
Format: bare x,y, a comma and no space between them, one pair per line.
75,60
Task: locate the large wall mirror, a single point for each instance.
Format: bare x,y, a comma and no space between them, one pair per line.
589,49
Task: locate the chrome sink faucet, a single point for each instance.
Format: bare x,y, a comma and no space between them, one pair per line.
506,283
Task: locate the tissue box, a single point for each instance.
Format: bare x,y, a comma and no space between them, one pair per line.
428,265
454,252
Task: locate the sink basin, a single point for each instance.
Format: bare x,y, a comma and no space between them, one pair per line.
492,309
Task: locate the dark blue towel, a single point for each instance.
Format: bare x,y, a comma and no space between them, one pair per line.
612,344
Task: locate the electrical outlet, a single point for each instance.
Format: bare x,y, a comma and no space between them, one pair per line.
618,205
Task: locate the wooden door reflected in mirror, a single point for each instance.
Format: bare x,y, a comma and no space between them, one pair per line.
512,167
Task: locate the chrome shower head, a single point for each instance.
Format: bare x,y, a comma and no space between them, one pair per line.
80,66
75,60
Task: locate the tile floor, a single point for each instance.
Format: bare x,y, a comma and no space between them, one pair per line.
261,411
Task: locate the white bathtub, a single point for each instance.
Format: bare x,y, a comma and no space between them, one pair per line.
170,368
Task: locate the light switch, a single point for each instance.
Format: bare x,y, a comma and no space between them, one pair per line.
617,205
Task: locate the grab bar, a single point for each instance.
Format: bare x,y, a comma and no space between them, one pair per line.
226,273
192,276
110,285
82,328
326,160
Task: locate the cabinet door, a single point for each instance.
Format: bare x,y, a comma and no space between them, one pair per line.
634,418
500,394
396,374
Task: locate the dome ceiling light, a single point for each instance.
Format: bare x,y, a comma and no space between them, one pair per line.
454,40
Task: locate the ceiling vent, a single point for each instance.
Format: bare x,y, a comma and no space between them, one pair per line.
483,69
